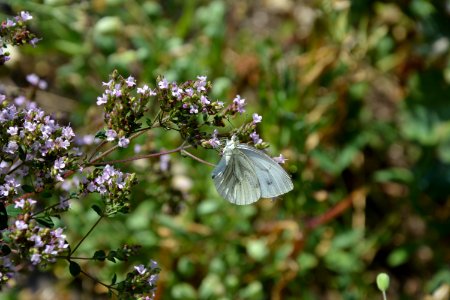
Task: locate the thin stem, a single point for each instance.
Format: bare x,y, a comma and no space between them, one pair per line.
141,156
135,135
15,168
384,295
99,146
50,207
74,257
89,232
96,280
113,148
197,158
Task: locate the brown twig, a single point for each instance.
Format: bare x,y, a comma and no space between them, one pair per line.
335,211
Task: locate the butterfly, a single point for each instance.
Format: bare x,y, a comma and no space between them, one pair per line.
246,174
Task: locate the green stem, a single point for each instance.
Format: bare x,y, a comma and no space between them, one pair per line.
89,232
96,280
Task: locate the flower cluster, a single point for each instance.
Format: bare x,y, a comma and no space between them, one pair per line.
15,32
35,148
29,241
141,283
124,104
185,107
113,185
34,80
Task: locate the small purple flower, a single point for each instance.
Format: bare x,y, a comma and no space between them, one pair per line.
50,249
25,16
200,84
176,92
36,258
13,130
37,240
153,279
214,141
140,269
20,100
256,118
163,84
59,164
204,100
33,79
164,162
67,132
42,84
21,225
280,159
91,187
64,203
153,264
137,148
30,126
239,104
33,42
87,139
12,147
130,81
143,90
255,137
102,99
194,109
117,92
123,142
20,203
111,135
9,23
189,92
61,143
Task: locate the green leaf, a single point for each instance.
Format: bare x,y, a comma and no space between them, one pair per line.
3,216
46,221
27,188
394,174
97,209
74,269
114,279
99,255
398,257
148,122
101,134
13,211
46,194
4,250
111,256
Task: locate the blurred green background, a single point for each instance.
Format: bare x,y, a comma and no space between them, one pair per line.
354,93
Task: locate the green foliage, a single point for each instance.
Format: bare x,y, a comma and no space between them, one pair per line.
354,94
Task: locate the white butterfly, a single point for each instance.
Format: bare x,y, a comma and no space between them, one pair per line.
245,174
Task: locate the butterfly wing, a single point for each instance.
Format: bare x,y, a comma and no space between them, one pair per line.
273,179
236,180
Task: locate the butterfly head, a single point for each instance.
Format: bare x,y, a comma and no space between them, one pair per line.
230,145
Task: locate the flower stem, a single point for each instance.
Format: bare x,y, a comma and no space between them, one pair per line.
86,235
140,156
197,158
